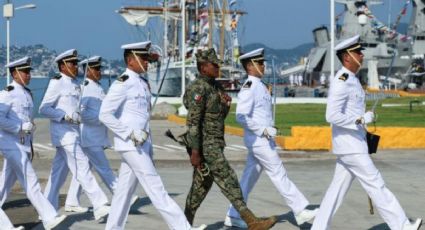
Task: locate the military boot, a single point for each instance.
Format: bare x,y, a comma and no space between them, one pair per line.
255,223
189,216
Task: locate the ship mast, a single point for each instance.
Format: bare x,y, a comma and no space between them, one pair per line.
210,23
222,29
165,48
183,50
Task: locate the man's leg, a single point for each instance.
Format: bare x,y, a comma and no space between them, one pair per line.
361,165
142,166
249,178
224,176
334,196
227,181
78,164
198,191
273,166
57,177
120,206
7,180
28,179
99,161
74,193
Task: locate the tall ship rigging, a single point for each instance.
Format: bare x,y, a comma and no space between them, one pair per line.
179,29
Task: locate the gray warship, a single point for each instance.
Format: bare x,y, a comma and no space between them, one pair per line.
391,60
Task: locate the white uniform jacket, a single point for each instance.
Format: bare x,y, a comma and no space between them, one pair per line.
254,111
16,107
346,104
125,108
62,97
93,132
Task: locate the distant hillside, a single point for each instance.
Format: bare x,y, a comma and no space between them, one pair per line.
282,56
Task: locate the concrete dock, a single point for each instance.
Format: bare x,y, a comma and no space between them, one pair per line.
403,172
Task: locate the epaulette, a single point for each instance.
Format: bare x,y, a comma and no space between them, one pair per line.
9,88
123,78
343,77
86,82
247,85
57,77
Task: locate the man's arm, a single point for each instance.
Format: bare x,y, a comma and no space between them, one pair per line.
47,106
7,124
89,115
194,101
111,103
244,108
336,106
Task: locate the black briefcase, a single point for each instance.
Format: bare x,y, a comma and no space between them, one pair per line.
372,142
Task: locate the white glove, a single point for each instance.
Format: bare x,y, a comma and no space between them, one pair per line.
269,132
369,117
27,127
73,118
138,137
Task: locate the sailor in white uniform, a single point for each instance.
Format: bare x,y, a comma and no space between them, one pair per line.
94,135
16,133
126,112
254,113
61,105
345,112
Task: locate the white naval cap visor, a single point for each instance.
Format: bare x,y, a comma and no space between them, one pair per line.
142,49
69,55
20,64
94,61
349,44
254,55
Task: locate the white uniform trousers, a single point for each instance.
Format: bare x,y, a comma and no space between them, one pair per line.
360,166
5,221
98,160
138,166
266,157
71,158
17,166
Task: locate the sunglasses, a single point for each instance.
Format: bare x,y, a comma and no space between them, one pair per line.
75,63
97,68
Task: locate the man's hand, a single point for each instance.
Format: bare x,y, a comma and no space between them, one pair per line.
195,159
226,99
74,118
138,137
269,132
27,127
367,118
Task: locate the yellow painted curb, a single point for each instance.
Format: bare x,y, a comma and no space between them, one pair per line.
401,93
319,137
177,119
228,129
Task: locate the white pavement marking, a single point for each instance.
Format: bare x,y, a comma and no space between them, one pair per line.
239,147
41,146
163,148
176,147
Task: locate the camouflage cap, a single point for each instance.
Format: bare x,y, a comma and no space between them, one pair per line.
208,55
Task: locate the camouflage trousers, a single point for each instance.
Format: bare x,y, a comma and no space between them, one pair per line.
222,174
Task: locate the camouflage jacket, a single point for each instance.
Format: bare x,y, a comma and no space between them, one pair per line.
207,109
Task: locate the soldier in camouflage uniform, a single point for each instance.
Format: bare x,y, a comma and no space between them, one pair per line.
208,105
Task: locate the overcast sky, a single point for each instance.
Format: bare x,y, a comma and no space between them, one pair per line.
93,27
